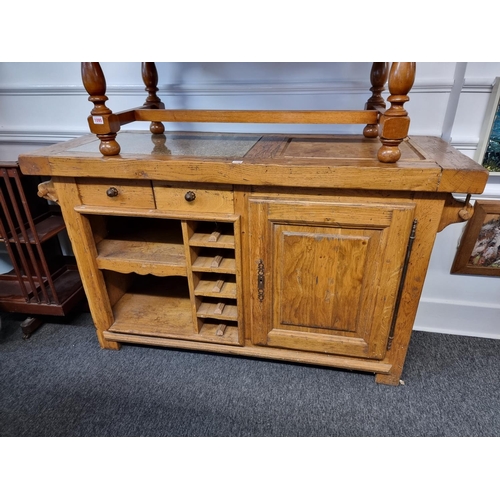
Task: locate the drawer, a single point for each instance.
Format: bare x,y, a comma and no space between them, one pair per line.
119,193
190,197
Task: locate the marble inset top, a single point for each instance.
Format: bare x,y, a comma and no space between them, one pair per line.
177,144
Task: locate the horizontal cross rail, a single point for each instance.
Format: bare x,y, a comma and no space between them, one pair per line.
236,116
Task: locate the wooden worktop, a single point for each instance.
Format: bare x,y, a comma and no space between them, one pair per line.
325,161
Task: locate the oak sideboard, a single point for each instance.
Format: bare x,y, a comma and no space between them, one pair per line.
303,248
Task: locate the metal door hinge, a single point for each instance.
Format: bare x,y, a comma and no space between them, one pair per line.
411,239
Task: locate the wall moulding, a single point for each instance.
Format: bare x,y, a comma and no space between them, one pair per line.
422,86
472,319
38,136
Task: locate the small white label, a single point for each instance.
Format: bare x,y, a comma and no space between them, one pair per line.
98,120
238,161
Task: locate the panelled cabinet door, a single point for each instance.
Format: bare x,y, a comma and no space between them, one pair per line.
326,274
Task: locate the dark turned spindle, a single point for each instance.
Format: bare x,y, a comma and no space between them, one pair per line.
378,78
102,121
395,122
150,79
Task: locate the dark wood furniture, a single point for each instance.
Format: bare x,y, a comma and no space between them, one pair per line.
42,280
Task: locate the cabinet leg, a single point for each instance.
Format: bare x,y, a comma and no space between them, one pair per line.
107,344
388,379
29,325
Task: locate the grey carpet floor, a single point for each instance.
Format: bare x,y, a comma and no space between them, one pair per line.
60,383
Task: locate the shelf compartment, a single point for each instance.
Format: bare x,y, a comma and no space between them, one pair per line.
136,245
220,310
160,307
213,235
212,261
159,258
155,306
217,286
211,329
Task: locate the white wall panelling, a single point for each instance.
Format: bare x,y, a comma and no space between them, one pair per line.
45,103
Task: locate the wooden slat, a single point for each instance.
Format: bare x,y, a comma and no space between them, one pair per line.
220,329
346,362
45,229
153,214
237,116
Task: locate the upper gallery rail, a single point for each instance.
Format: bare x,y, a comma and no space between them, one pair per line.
390,126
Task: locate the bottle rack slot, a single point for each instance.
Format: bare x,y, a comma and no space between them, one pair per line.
216,285
213,235
214,260
224,331
179,277
223,310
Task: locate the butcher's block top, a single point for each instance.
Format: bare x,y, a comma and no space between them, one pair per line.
325,161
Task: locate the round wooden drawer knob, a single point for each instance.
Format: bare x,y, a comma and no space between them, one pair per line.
190,196
112,192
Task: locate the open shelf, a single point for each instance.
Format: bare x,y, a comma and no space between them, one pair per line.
155,306
135,245
159,258
46,227
161,307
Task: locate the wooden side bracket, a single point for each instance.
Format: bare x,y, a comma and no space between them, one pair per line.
455,211
47,190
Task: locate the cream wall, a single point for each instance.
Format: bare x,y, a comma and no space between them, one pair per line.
44,103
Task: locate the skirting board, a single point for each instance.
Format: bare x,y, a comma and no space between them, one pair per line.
469,319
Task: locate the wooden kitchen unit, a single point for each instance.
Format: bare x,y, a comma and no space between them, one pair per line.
301,248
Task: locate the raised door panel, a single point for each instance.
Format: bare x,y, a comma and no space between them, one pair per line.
313,263
327,274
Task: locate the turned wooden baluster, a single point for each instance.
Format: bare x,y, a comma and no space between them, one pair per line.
150,79
395,122
102,121
378,79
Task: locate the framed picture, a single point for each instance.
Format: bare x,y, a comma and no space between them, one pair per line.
488,150
479,248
